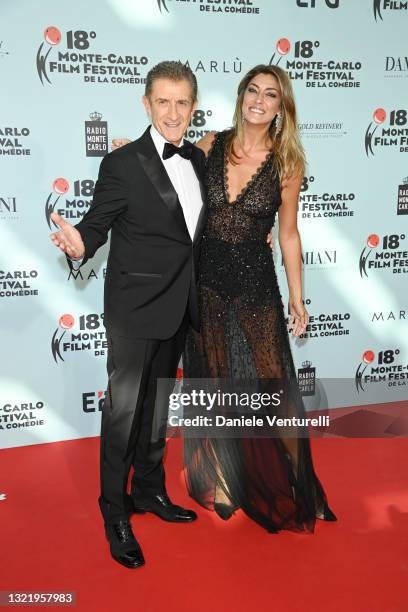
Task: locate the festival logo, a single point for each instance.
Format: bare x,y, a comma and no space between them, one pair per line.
93,401
331,4
382,6
318,205
227,7
8,207
384,254
307,379
18,283
12,141
392,133
326,324
305,61
21,415
85,334
76,55
402,202
383,367
198,126
71,205
96,136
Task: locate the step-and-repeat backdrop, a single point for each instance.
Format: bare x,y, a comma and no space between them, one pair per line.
72,76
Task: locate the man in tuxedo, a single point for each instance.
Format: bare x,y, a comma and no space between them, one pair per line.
150,195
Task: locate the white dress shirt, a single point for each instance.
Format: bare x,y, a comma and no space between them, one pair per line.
184,180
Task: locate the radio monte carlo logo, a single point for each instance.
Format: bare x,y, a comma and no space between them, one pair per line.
75,54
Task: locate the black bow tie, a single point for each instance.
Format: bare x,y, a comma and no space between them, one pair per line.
170,149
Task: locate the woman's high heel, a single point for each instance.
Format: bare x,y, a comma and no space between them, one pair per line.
224,511
327,514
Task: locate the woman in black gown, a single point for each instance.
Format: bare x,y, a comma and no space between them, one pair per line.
254,171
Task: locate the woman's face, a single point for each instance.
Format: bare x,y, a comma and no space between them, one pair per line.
262,100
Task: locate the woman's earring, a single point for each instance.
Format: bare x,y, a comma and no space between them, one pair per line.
278,123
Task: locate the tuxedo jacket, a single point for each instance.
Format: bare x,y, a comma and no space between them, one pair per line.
152,263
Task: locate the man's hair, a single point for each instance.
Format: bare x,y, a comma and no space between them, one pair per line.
175,71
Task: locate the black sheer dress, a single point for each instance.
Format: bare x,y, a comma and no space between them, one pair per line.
244,336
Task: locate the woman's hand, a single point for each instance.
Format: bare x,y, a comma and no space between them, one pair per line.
298,317
119,142
269,240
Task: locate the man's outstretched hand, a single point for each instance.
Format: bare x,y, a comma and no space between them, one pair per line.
68,239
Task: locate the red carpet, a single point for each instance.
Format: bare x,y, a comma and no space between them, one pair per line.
52,538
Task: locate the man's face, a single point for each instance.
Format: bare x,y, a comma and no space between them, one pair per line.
169,107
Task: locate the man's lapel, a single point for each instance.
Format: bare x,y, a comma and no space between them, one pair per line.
155,170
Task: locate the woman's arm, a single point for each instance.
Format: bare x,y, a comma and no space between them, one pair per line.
205,143
289,240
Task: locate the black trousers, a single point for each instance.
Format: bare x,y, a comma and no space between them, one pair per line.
133,408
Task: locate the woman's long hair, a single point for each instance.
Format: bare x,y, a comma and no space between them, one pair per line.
288,150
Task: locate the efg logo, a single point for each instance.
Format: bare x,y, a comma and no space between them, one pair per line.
381,369
71,207
395,134
332,4
387,5
324,205
388,256
93,401
304,61
78,57
89,337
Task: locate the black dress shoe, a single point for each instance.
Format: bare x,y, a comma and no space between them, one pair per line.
123,544
160,504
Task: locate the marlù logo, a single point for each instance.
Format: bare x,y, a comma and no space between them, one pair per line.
17,416
307,379
387,5
326,324
72,208
8,207
402,203
385,256
18,283
382,369
90,337
395,134
326,204
93,401
96,136
307,63
11,141
229,7
79,58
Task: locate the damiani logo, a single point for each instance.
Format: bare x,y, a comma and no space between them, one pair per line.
382,5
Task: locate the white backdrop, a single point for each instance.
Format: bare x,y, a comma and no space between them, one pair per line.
72,76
